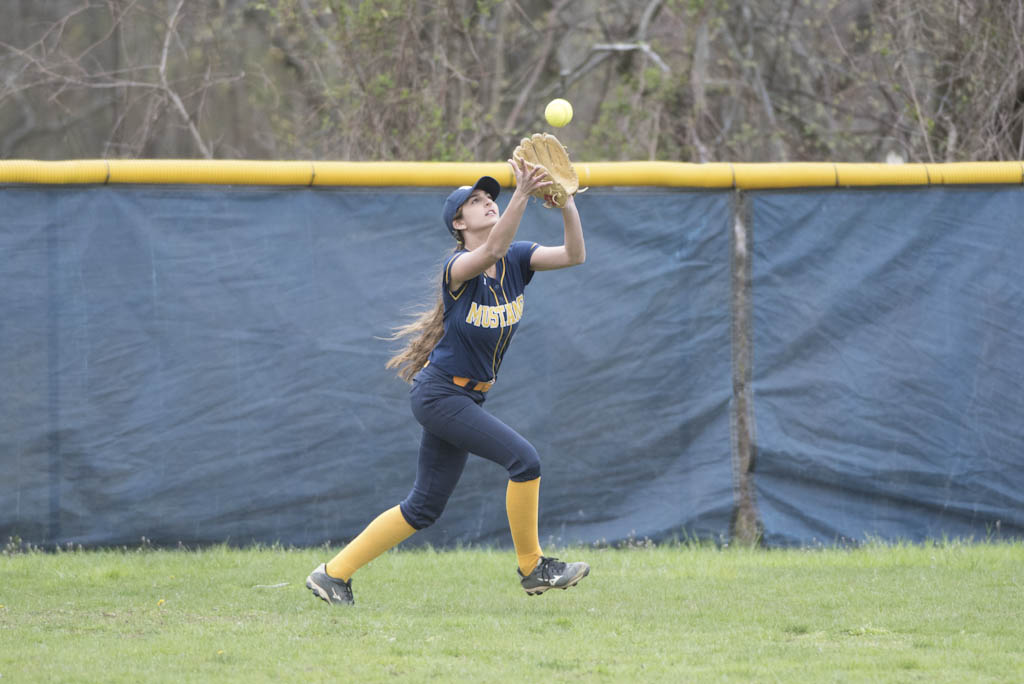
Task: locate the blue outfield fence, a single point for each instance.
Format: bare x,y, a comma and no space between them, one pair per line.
206,363
889,357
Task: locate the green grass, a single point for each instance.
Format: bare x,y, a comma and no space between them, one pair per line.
932,613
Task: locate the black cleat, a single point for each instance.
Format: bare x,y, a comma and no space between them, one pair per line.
330,589
552,573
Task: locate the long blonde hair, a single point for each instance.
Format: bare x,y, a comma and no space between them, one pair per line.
425,331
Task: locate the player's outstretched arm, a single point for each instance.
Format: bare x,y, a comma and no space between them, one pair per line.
572,252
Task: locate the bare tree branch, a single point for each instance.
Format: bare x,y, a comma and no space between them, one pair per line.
541,62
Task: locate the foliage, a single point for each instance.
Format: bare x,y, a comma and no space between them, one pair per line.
692,80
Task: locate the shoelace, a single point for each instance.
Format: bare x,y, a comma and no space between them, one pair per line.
550,567
345,586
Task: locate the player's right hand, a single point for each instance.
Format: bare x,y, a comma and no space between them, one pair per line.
529,177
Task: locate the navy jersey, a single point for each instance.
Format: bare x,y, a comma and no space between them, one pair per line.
483,315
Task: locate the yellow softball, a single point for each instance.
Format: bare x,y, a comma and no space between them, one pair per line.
558,112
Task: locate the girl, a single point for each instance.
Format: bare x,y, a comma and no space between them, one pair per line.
452,361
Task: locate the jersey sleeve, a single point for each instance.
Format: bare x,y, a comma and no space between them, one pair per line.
520,253
446,277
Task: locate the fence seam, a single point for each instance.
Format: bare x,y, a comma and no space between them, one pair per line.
746,526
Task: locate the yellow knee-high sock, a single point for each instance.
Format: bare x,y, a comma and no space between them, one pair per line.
521,502
387,530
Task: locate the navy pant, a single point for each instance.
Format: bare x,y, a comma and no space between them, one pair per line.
455,425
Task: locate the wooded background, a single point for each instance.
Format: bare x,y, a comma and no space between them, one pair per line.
464,80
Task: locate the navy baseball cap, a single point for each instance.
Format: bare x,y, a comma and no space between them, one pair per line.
459,197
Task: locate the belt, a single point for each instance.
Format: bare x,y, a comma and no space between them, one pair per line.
477,386
465,382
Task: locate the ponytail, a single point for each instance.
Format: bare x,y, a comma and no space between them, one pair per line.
425,332
427,329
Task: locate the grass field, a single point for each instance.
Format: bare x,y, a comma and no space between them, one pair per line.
931,613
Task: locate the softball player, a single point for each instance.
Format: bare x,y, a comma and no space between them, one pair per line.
452,361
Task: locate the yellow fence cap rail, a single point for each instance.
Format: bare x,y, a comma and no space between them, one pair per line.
881,174
213,172
654,173
53,173
399,174
747,176
976,173
794,175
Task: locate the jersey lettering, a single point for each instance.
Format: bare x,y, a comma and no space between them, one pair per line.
476,313
502,316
